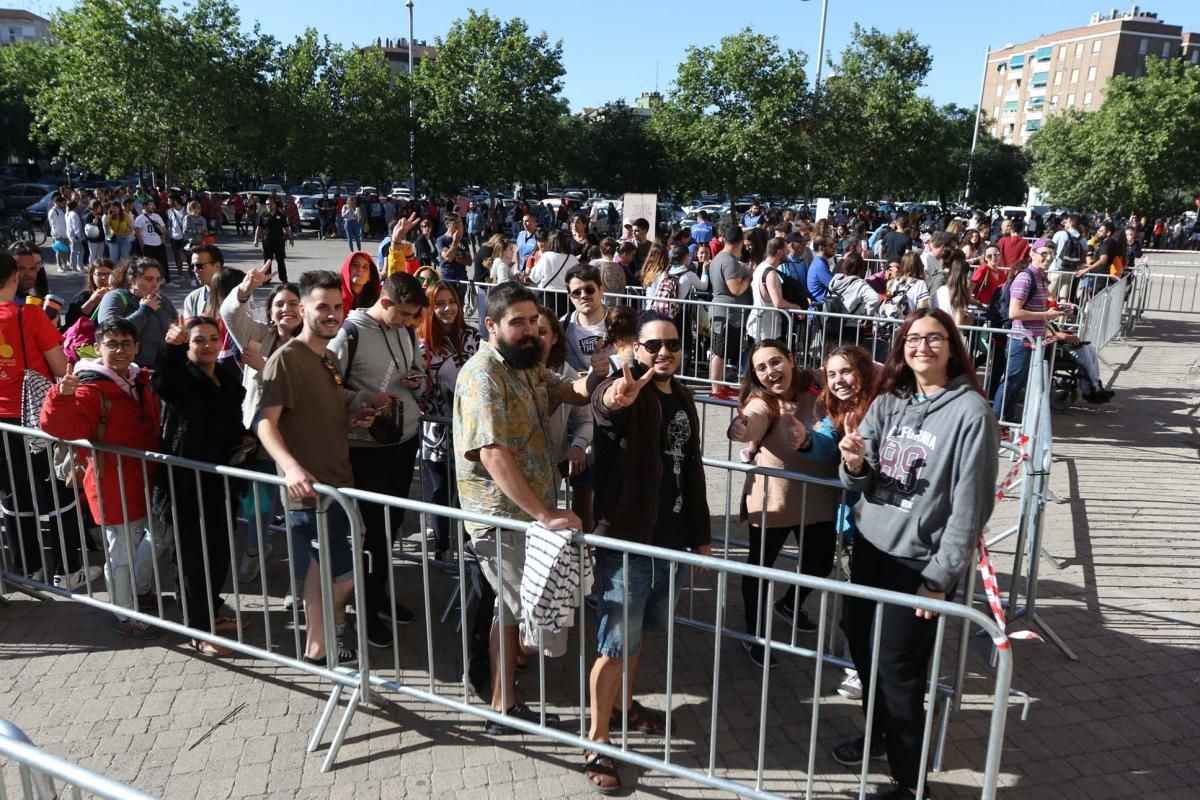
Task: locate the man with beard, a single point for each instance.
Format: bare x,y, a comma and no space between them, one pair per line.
650,489
506,465
30,271
304,422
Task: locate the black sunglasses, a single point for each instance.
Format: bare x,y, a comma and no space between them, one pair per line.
583,291
654,345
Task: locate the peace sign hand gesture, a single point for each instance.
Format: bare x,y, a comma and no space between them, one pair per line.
853,446
625,389
254,279
403,226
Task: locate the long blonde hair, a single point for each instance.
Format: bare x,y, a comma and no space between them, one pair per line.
656,262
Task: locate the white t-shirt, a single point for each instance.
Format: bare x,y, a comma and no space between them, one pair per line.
932,265
550,271
151,234
583,340
763,324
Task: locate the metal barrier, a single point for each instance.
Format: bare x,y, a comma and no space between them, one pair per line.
1103,318
38,770
1172,285
369,675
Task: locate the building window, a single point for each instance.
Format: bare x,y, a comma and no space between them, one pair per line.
1139,71
1096,44
1091,73
1016,62
1070,101
996,112
1002,66
1166,51
1016,85
999,90
1033,124
1079,50
1143,47
1040,79
1087,99
1010,107
1058,78
1043,54
1196,56
1074,76
1054,102
1062,52
1035,103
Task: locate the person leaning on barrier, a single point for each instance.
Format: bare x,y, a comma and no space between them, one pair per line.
776,417
202,421
377,351
650,490
29,341
924,459
109,399
304,421
505,464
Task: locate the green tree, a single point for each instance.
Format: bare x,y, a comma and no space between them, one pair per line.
134,83
614,151
735,117
370,116
487,107
1139,152
997,173
872,125
298,92
23,68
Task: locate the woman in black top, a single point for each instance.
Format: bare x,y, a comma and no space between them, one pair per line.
95,287
581,238
201,420
273,230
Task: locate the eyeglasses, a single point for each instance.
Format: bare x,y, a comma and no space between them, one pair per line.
654,345
583,291
113,345
934,340
1044,253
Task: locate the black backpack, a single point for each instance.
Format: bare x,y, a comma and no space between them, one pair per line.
997,310
1072,252
793,290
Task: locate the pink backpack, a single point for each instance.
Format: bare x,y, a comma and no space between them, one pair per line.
81,335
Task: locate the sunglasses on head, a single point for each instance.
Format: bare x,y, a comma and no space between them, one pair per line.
654,345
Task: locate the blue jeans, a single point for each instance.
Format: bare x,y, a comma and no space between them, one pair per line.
647,583
354,234
1015,375
305,542
119,249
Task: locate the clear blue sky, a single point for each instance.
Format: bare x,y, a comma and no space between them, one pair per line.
614,48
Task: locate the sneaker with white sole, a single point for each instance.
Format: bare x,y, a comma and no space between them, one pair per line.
135,629
346,656
850,754
851,687
248,565
78,578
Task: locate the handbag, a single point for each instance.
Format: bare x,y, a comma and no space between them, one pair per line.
34,388
471,300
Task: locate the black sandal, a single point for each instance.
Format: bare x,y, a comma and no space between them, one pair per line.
641,719
601,766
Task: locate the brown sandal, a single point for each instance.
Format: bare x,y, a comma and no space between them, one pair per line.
641,719
601,772
209,649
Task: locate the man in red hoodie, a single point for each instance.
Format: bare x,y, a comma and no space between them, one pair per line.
109,400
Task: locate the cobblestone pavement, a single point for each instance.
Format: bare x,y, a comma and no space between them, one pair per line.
1122,721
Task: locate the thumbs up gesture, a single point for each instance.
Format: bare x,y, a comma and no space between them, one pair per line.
739,427
69,382
177,333
852,446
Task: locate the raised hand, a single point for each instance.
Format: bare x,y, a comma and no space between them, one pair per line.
177,333
601,363
852,446
739,427
99,293
69,382
152,301
254,279
799,436
403,226
625,389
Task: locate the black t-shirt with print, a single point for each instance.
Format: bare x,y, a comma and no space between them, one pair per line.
675,442
274,225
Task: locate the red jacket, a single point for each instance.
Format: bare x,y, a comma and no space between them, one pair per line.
132,423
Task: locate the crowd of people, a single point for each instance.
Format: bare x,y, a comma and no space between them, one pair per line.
361,377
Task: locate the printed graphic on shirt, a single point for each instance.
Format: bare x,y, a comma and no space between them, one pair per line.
588,344
679,430
902,461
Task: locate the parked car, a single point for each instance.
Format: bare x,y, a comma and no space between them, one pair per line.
272,187
308,204
17,196
36,212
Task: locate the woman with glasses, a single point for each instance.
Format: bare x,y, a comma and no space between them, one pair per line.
989,277
776,418
924,460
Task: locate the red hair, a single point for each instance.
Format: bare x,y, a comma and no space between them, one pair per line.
430,328
897,377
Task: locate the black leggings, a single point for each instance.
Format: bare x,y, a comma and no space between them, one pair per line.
905,646
384,470
198,584
816,559
276,249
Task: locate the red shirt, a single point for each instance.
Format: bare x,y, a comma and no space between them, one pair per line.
988,281
40,336
1013,250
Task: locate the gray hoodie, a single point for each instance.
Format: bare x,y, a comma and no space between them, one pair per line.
929,494
382,357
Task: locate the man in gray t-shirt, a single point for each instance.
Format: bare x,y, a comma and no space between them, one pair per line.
730,282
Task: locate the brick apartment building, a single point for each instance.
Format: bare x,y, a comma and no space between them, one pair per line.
1026,82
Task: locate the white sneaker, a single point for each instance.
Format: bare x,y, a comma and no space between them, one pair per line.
851,687
248,565
78,578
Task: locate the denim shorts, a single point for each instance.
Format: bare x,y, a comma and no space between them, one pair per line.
305,543
649,600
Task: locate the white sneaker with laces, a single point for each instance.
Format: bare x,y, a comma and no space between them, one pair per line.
851,687
78,578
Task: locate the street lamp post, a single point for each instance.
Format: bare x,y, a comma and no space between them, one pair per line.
978,119
412,134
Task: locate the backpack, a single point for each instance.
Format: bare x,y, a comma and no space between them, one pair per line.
997,311
835,299
897,306
793,290
667,292
80,335
1072,252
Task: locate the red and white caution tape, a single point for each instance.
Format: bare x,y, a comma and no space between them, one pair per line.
987,571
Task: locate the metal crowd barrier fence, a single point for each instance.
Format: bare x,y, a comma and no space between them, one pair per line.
1103,318
1172,285
153,576
38,770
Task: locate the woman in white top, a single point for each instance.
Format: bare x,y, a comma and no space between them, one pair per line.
569,427
766,287
910,279
550,271
955,296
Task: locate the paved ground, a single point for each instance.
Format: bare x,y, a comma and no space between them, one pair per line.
1120,722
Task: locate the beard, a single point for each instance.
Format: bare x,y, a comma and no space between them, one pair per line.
521,354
